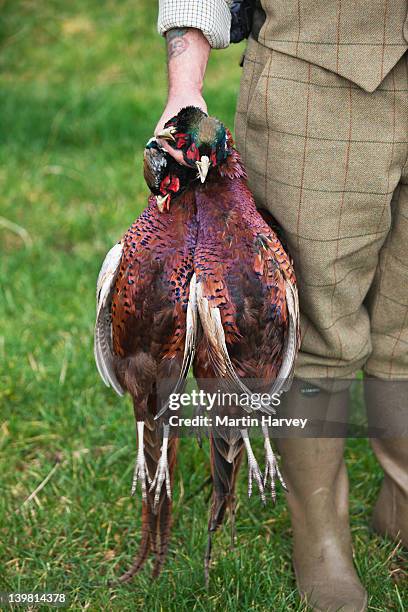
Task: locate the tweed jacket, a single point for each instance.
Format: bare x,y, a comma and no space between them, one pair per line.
360,40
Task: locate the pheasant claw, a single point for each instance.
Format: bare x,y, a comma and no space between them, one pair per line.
141,473
271,466
253,468
162,471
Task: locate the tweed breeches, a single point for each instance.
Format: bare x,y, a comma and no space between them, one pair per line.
330,162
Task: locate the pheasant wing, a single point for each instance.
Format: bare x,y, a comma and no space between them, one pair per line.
103,327
276,255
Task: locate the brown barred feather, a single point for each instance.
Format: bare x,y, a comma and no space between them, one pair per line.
243,271
149,307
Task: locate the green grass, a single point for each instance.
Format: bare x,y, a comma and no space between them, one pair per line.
82,84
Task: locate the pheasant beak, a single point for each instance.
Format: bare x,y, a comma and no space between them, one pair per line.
203,166
163,202
167,133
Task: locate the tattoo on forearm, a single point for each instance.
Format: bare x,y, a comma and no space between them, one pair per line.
176,42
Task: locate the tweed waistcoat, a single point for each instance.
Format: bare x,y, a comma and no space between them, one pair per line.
360,40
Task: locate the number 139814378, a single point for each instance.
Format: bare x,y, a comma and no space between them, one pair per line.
24,599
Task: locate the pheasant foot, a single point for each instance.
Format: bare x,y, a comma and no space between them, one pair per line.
141,473
253,468
271,466
162,471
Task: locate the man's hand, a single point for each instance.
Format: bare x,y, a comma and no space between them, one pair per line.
187,52
174,104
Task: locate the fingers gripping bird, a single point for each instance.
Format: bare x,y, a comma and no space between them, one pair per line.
246,296
145,334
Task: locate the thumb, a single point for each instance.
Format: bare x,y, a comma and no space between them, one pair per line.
178,155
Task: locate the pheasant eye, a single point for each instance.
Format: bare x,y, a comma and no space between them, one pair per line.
165,184
193,154
174,184
181,140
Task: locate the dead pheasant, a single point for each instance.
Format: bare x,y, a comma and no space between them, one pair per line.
246,295
144,337
238,273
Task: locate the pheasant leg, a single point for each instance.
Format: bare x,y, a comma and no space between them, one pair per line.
271,465
141,472
162,472
253,467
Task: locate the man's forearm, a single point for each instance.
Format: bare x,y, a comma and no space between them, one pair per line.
187,57
187,54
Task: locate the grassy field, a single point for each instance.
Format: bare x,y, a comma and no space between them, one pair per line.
82,84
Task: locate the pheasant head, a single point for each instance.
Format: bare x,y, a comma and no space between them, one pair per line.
203,140
165,178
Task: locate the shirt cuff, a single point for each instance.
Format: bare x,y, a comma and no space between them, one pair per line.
212,17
